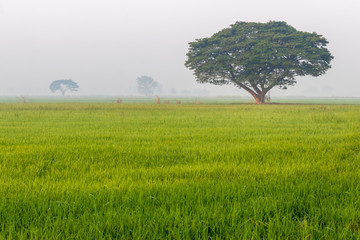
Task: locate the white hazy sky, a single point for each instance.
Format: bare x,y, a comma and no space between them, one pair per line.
104,45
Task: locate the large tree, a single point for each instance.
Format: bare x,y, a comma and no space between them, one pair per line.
258,57
63,86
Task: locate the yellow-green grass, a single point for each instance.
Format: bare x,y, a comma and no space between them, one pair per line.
143,171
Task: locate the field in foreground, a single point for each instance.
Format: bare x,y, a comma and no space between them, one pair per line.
143,171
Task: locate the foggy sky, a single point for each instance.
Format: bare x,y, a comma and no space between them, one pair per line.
104,45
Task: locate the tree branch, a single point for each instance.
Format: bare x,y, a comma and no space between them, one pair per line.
233,78
276,81
257,90
246,88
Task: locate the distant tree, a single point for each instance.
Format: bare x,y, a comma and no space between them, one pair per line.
63,86
146,85
258,57
173,91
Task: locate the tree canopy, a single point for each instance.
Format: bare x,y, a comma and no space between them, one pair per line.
258,56
63,86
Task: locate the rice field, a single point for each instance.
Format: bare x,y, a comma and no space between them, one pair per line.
179,171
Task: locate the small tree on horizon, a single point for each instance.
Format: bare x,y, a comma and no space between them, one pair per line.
258,57
146,85
63,86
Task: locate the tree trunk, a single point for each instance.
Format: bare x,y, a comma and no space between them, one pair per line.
257,94
260,98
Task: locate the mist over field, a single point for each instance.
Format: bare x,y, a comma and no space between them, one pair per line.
105,45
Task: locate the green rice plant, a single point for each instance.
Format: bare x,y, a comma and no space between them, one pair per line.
179,171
